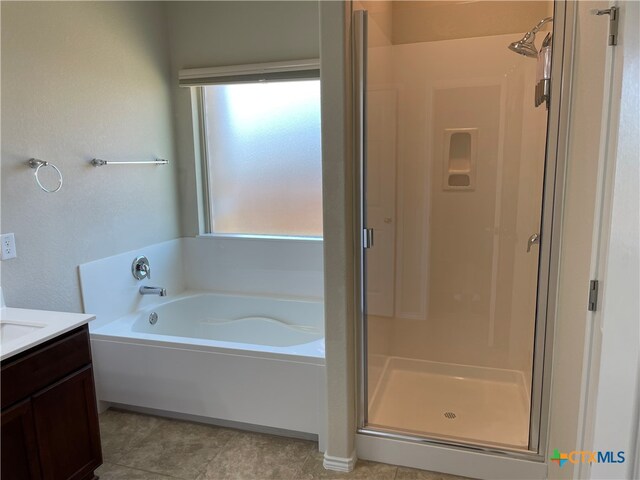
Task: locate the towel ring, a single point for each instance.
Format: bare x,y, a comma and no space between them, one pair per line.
38,164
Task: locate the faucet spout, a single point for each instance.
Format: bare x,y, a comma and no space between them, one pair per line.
145,290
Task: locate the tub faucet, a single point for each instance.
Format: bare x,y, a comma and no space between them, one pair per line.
144,290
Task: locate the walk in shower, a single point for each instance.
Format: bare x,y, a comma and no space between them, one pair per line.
452,189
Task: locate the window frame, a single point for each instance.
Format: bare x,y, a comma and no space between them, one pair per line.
199,78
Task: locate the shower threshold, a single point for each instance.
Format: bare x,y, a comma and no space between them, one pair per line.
464,403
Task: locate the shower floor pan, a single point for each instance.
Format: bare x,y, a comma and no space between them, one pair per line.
456,402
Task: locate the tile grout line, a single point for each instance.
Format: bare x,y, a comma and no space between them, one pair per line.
150,471
144,470
139,442
236,433
151,432
300,470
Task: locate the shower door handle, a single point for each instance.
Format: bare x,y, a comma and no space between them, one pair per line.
367,238
533,239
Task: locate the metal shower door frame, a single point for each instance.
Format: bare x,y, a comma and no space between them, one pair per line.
548,262
359,75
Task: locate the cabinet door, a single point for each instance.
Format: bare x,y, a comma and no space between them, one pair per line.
19,450
66,421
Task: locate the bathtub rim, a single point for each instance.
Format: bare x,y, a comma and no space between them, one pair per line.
121,330
187,294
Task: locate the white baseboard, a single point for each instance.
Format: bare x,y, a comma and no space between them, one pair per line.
339,464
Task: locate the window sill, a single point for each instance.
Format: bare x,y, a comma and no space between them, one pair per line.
241,236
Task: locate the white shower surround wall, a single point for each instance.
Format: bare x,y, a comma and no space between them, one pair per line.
277,267
186,368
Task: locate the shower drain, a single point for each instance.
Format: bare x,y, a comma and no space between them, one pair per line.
450,415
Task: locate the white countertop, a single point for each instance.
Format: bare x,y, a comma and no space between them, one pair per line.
22,329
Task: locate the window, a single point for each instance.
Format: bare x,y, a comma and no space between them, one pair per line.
262,157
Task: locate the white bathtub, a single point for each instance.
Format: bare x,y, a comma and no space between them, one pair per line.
251,360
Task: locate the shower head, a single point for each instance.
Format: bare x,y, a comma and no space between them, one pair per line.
526,45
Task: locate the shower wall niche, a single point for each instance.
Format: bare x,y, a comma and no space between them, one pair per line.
459,159
465,194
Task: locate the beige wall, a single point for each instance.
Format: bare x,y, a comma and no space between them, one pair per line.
209,34
380,14
83,80
427,21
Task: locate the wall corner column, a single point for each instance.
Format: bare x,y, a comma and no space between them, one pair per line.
339,272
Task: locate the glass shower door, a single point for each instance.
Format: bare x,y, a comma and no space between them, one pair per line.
452,194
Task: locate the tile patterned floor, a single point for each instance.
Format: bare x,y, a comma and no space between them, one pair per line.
143,447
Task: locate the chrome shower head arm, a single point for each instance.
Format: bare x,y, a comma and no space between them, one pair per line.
541,23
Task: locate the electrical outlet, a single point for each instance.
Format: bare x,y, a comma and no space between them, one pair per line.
8,242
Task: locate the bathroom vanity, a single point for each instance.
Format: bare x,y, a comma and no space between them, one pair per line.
49,414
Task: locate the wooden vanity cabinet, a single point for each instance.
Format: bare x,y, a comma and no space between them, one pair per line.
49,414
19,458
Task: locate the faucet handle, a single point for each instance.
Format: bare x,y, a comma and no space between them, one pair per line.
146,269
140,268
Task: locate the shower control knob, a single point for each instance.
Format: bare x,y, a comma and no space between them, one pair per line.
140,268
533,239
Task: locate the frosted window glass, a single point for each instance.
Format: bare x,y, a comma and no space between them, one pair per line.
263,144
